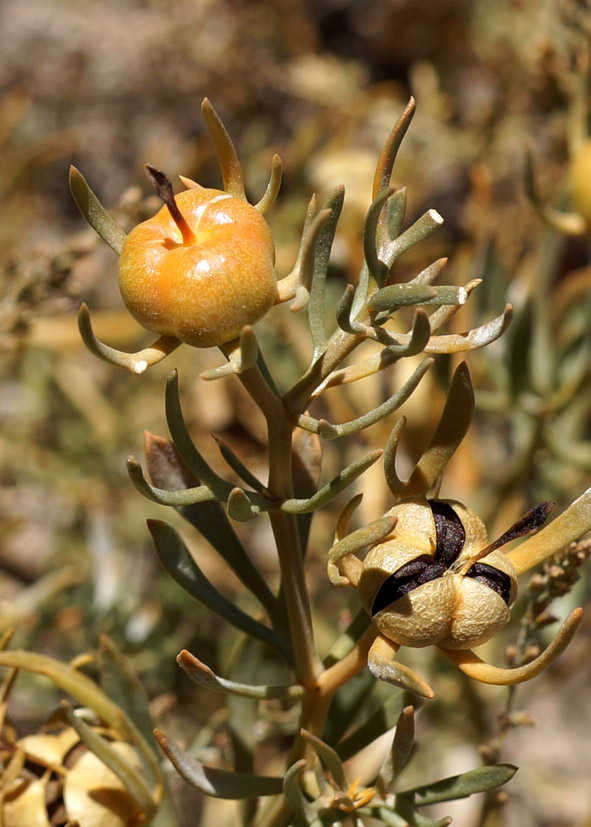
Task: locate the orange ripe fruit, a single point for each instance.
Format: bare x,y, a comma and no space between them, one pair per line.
201,281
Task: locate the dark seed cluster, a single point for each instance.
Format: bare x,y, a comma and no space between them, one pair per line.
450,537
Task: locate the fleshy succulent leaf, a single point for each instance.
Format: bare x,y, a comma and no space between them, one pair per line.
178,562
94,212
217,783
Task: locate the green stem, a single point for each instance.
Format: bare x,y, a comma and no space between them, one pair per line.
280,427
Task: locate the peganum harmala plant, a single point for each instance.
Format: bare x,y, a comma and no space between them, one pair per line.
202,272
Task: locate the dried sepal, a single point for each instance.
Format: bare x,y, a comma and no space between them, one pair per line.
136,362
478,670
242,355
382,666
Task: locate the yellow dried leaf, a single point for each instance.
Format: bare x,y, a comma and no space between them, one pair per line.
95,796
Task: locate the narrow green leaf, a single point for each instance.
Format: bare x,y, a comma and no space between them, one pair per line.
232,174
400,752
416,819
418,337
185,445
205,677
132,779
240,507
294,795
124,688
396,212
430,273
419,231
461,786
388,155
329,758
445,313
452,428
273,186
137,362
328,431
377,269
390,298
347,639
178,562
209,518
356,541
329,491
306,270
184,496
217,783
94,212
378,722
238,466
343,312
317,305
346,704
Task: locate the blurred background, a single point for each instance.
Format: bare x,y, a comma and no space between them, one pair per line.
113,85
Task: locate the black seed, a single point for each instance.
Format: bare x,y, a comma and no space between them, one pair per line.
408,577
495,579
431,573
449,532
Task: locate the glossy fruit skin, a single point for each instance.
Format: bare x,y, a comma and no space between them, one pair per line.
205,292
453,611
